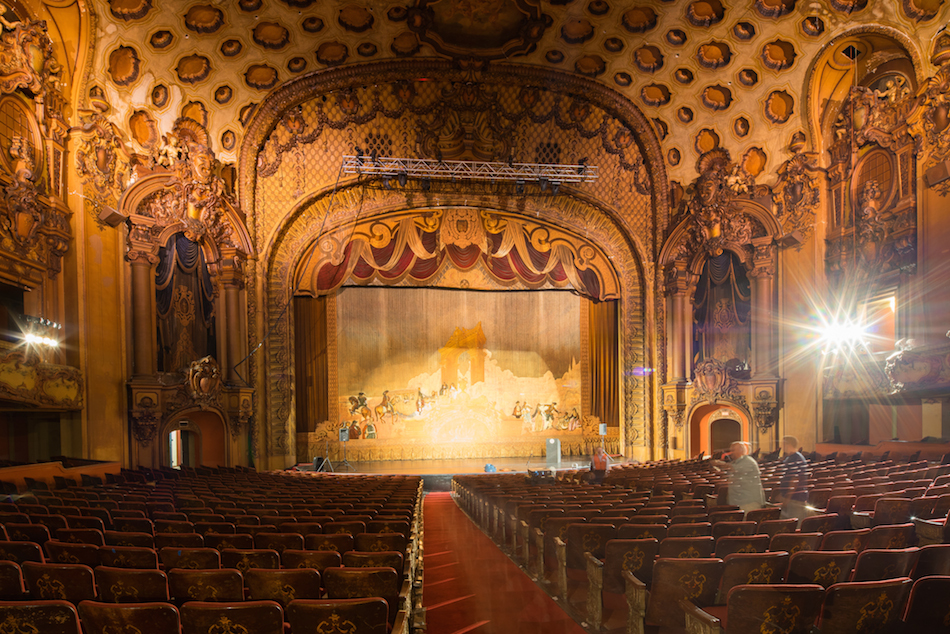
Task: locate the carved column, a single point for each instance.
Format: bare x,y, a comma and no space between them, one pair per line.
232,281
143,257
677,290
763,276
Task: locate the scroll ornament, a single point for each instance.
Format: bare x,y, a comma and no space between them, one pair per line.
797,192
712,382
204,380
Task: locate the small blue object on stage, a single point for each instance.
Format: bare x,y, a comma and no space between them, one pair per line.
490,468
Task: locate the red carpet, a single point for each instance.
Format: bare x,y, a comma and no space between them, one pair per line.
471,586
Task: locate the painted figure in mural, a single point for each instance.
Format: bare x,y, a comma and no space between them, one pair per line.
516,412
385,407
356,432
420,401
370,431
362,410
571,421
443,390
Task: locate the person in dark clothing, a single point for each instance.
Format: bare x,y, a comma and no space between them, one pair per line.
795,479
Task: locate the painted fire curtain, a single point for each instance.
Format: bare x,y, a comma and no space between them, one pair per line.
721,308
426,365
184,297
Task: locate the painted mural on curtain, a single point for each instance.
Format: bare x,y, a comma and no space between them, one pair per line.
435,366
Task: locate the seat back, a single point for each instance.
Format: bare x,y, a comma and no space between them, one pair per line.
319,560
46,617
691,529
118,538
340,542
587,538
820,523
794,542
892,536
179,540
775,527
361,583
278,541
20,551
220,541
687,547
282,586
225,584
723,528
11,581
378,542
927,609
354,616
128,557
696,580
643,531
387,558
751,568
764,514
131,585
259,617
36,533
146,618
864,606
888,563
890,510
855,540
190,558
245,560
635,556
741,544
934,560
786,608
64,582
823,567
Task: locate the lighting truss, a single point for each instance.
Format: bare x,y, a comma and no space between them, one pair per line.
387,166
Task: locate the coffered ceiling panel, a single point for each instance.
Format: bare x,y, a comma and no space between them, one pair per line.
709,73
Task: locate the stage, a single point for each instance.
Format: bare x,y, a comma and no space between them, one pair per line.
437,474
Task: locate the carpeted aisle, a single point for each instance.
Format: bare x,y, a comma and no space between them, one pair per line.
471,586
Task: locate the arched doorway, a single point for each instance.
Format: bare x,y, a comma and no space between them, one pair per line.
194,439
722,433
714,427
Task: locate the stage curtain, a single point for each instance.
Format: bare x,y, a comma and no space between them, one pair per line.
312,368
604,364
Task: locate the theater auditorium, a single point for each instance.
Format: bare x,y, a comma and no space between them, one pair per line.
450,316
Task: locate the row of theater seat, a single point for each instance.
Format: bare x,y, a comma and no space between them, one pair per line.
603,545
236,539
355,616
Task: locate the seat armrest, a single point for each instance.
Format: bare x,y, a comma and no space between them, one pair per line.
698,621
401,625
560,550
595,591
636,594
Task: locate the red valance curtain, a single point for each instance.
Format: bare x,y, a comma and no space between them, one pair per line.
506,260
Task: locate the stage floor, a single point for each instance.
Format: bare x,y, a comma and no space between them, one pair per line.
446,467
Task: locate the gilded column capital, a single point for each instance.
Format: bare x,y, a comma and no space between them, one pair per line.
140,243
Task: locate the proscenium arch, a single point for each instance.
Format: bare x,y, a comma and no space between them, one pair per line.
571,213
269,295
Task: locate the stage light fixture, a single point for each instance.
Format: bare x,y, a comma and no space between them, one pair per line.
402,179
386,183
519,187
555,188
426,184
543,182
843,335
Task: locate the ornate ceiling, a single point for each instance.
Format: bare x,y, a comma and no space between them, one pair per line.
708,73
